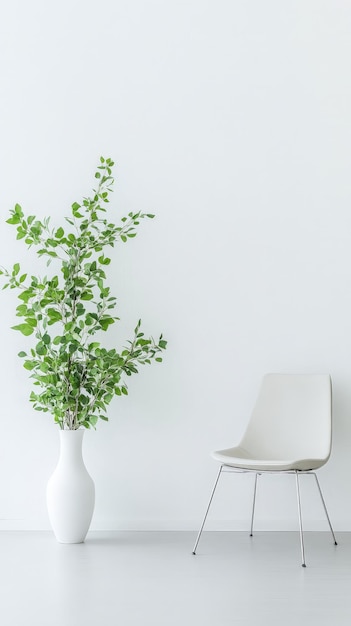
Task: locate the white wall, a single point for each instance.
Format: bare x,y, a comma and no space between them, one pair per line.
230,121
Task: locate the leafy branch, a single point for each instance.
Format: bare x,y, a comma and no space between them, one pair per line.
77,377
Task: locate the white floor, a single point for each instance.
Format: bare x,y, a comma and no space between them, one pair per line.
152,579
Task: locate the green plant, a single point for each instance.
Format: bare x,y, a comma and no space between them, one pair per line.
76,375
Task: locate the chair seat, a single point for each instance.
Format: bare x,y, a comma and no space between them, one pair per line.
242,459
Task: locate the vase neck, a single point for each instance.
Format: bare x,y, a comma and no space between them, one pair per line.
71,445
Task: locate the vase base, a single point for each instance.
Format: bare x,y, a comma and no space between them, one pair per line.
70,541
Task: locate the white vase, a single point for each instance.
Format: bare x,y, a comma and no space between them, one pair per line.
70,491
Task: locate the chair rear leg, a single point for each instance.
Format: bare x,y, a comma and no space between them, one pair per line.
300,520
253,505
325,508
207,510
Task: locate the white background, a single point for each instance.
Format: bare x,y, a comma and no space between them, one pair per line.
231,122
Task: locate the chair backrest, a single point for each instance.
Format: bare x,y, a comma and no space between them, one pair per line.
291,418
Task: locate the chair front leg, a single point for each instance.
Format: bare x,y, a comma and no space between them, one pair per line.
207,510
300,519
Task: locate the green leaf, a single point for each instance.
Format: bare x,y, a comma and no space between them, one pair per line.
13,220
51,242
31,321
29,365
104,260
41,349
22,309
22,354
16,269
25,329
26,295
54,315
93,345
59,233
105,322
93,419
86,295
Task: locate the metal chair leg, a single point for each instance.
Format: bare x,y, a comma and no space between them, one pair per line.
325,508
253,505
207,510
300,520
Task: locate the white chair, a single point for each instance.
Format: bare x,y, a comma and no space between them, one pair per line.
289,432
